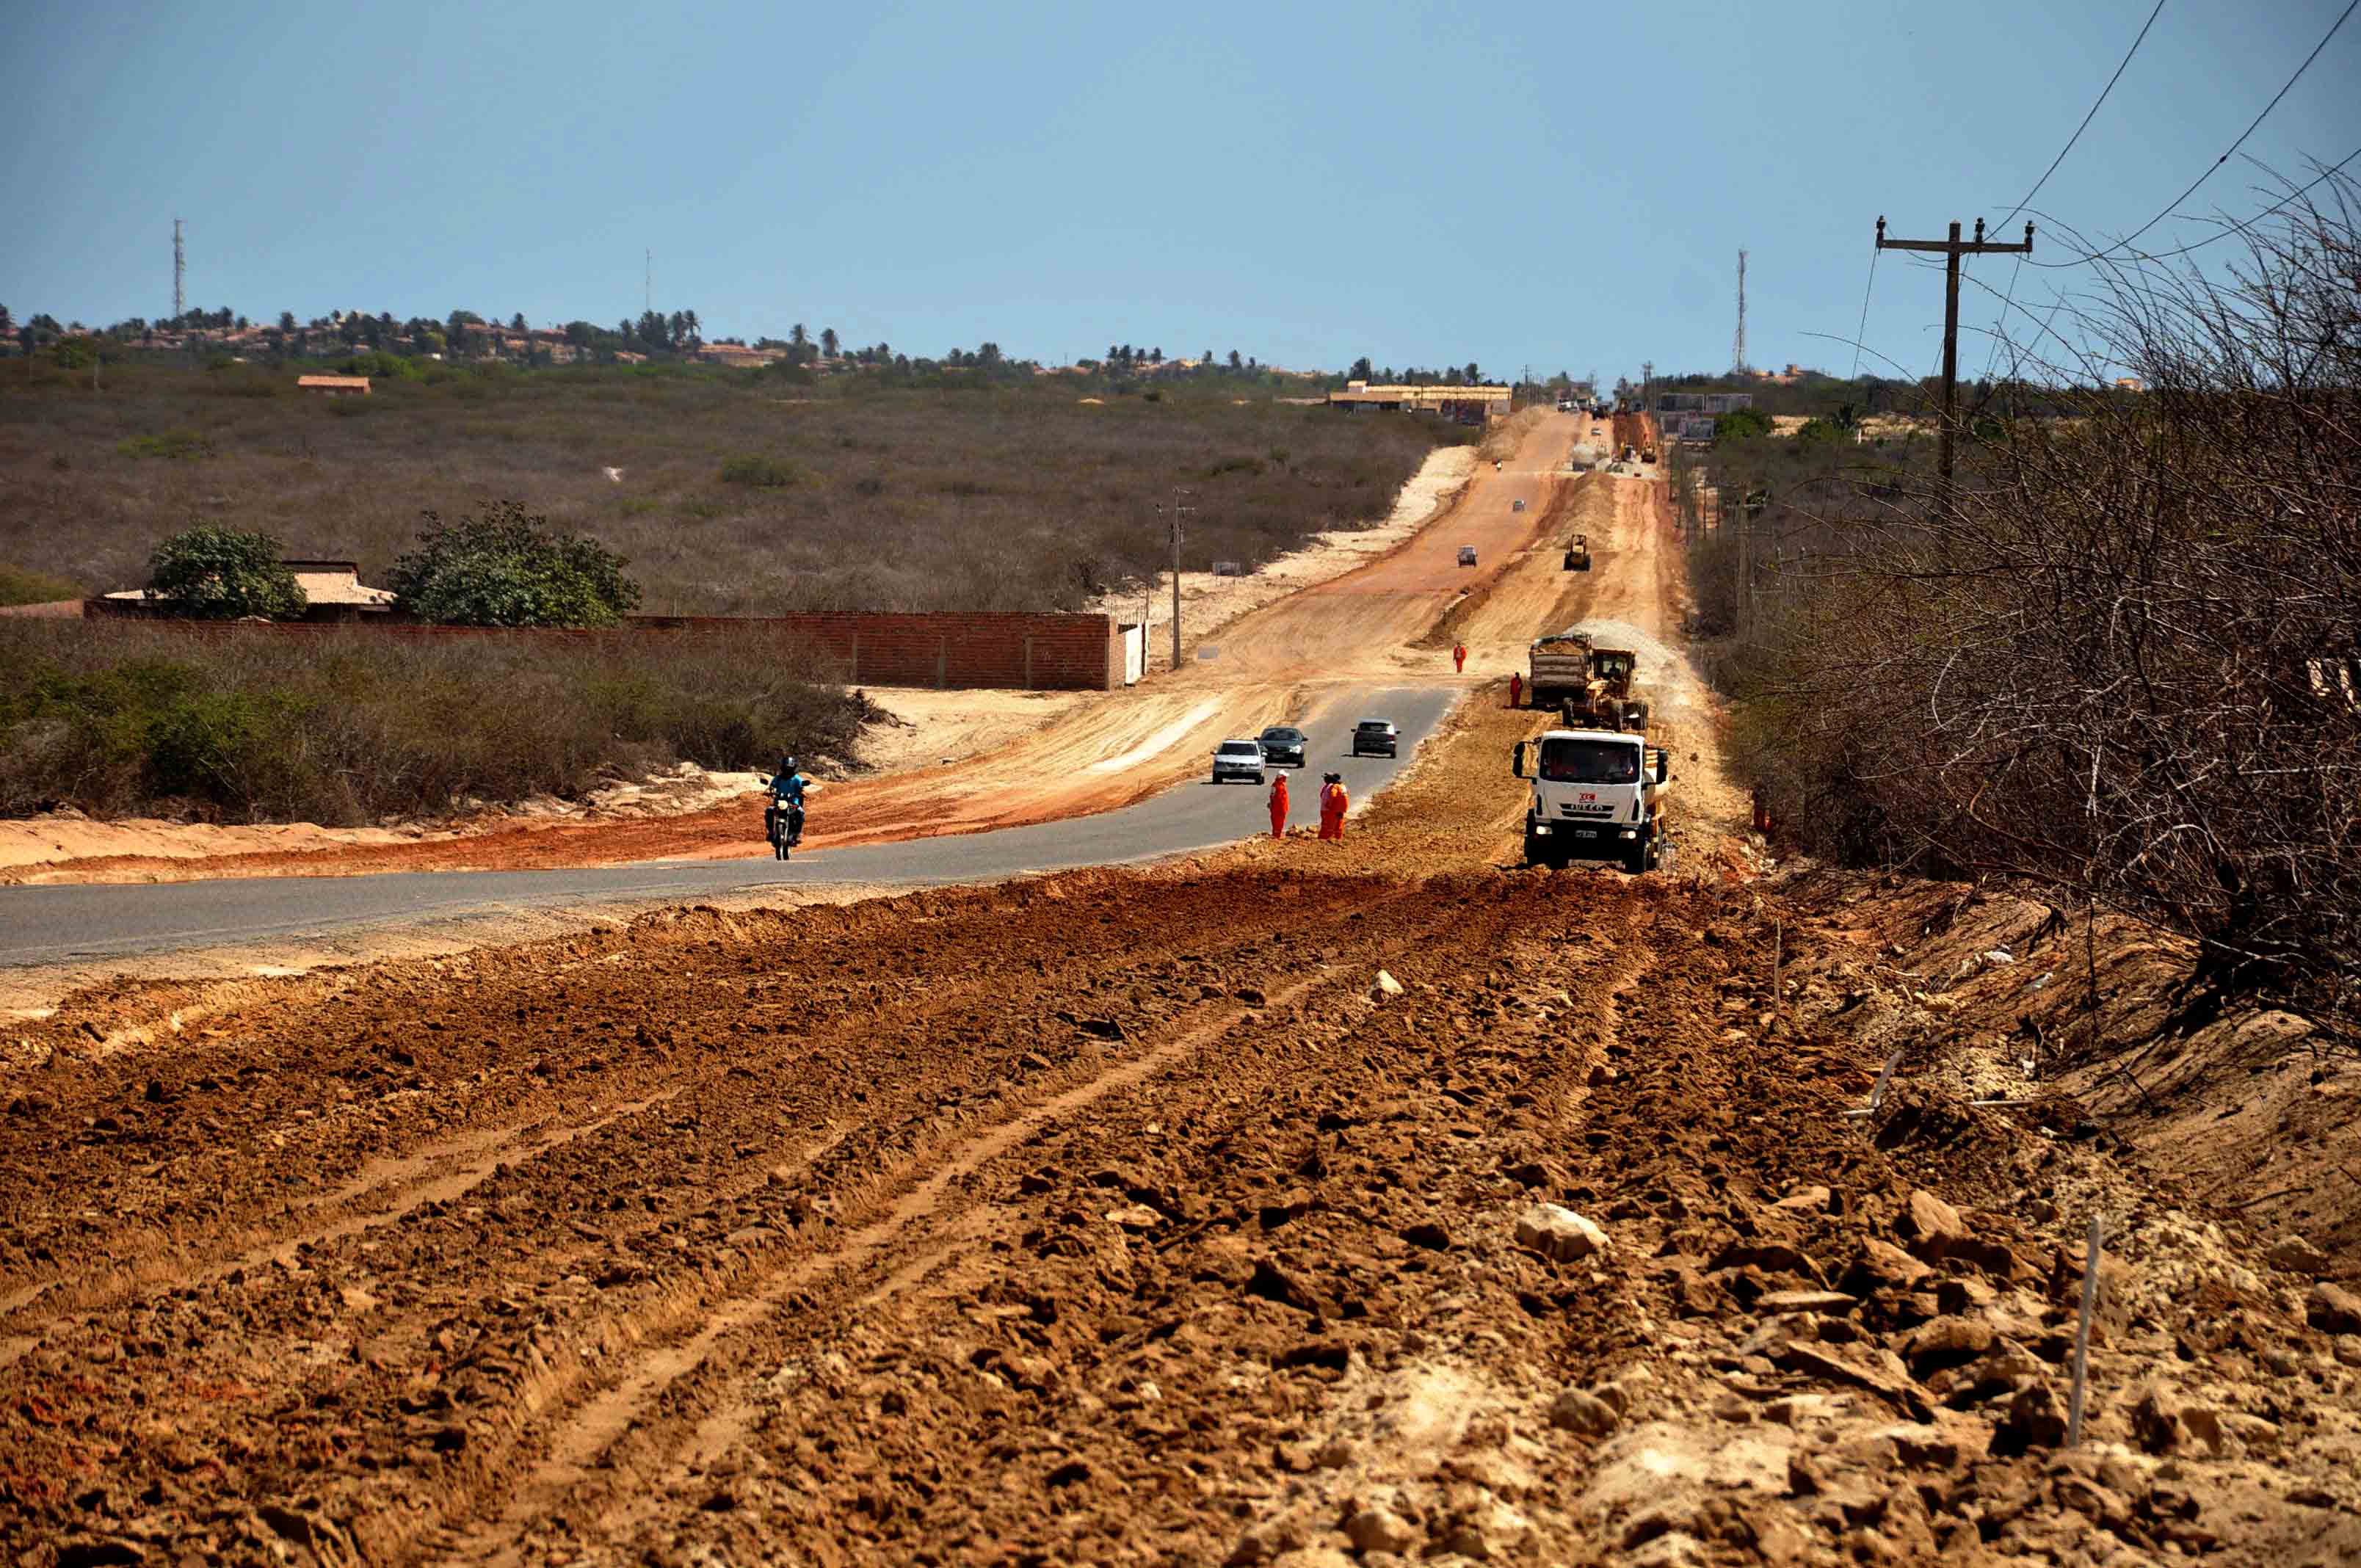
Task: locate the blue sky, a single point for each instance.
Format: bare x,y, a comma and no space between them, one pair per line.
1560,185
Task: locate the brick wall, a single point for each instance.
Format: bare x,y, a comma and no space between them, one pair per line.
1011,650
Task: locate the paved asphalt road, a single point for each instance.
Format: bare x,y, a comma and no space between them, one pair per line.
64,923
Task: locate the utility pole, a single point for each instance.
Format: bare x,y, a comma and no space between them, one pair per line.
1951,249
1177,509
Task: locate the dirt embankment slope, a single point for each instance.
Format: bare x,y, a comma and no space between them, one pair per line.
1124,1217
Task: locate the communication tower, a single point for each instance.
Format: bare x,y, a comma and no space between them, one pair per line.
180,271
1737,345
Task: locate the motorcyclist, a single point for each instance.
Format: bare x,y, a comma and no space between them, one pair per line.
788,786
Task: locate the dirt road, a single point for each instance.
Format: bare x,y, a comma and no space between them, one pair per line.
1291,659
1296,1203
1123,1217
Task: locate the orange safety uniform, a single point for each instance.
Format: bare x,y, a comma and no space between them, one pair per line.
1333,803
1516,690
1279,806
1459,656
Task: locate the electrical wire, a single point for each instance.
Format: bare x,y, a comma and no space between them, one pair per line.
2166,210
2007,299
2245,224
1860,332
2085,126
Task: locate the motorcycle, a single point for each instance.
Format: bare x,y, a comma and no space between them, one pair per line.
782,826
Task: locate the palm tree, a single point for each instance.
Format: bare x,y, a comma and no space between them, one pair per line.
829,341
797,336
696,327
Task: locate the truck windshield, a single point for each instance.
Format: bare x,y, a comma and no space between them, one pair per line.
1589,762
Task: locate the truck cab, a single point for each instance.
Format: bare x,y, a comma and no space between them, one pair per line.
1596,795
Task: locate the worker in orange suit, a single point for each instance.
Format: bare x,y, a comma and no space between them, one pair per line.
1279,806
1516,689
1459,656
1332,806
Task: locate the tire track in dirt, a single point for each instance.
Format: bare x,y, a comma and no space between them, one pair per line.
578,1450
1220,1123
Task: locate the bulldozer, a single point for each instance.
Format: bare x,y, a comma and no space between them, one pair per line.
1591,686
1577,554
1607,700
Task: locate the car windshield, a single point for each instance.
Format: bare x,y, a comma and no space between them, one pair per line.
1281,737
1239,748
1589,762
1379,725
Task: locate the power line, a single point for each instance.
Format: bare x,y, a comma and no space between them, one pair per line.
2243,224
1860,332
2000,321
2085,126
2167,211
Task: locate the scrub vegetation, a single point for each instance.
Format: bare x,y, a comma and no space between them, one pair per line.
732,491
346,727
2118,659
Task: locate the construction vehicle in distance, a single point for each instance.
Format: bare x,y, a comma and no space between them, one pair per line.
1577,554
1589,685
1647,454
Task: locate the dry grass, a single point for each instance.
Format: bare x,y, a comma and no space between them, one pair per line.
846,495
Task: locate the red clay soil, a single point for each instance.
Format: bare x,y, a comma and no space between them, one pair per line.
1121,1217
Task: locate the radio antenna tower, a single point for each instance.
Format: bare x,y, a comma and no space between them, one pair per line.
179,269
650,302
1737,345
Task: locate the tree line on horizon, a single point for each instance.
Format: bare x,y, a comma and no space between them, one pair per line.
653,334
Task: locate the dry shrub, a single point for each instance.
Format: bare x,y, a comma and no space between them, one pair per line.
347,727
2120,658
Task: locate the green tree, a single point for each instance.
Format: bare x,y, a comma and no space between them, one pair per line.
1739,424
827,340
508,567
222,573
798,336
1360,370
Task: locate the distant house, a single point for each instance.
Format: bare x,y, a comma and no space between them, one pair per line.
2130,383
738,355
333,590
334,386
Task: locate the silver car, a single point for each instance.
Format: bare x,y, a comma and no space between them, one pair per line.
1238,760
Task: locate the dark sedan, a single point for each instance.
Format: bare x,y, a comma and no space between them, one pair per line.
1282,746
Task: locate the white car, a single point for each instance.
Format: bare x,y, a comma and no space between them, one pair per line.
1238,760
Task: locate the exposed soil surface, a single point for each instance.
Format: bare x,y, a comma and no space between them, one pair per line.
1298,1204
1305,1203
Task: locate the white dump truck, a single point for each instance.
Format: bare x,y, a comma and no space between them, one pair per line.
1597,796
